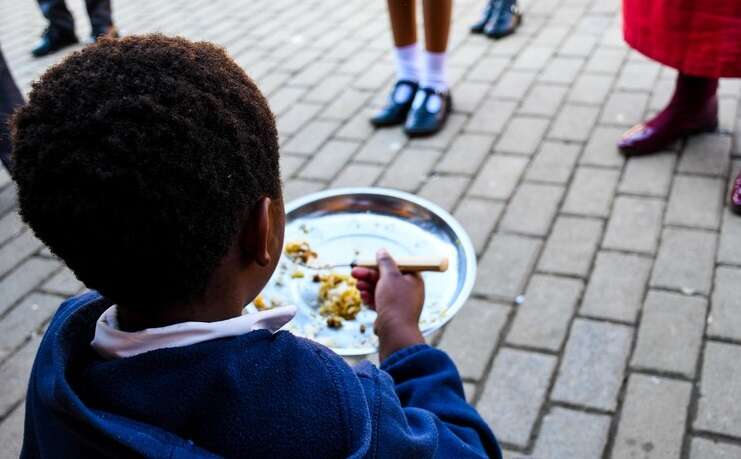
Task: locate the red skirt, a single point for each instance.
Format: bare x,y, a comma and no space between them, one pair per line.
696,37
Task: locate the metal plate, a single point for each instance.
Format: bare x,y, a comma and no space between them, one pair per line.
343,224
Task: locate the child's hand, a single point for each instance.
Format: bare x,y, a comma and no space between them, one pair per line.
397,298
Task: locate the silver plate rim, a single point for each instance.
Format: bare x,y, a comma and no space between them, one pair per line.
463,239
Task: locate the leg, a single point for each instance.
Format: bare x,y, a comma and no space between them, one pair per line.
99,12
10,98
59,17
403,22
437,15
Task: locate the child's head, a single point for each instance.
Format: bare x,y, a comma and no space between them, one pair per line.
150,166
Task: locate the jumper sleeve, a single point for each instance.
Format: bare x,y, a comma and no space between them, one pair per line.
420,409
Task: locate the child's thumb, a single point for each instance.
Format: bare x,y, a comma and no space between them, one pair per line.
386,264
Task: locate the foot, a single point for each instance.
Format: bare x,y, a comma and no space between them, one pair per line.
429,112
505,21
109,32
735,202
672,124
491,6
398,105
53,40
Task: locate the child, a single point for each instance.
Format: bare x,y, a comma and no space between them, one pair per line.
150,166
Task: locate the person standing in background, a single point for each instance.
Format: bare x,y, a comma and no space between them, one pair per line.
10,98
421,97
499,19
60,32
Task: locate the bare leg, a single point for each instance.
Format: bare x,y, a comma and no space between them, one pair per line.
403,22
437,15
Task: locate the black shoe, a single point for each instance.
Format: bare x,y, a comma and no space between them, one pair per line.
95,35
491,6
505,21
395,111
426,119
52,41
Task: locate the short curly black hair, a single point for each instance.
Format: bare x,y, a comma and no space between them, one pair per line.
138,160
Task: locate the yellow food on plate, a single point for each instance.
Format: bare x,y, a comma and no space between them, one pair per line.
300,252
339,298
260,304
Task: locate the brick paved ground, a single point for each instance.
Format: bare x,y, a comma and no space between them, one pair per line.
628,343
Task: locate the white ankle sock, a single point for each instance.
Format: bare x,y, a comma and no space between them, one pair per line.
407,63
435,71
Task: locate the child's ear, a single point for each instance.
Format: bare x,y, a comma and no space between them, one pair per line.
256,234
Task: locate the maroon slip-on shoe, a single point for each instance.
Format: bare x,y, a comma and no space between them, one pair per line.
735,201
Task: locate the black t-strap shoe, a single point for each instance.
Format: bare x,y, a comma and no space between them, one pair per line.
398,105
429,112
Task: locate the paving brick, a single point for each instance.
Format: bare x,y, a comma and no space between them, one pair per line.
18,249
543,100
491,117
542,320
469,95
498,177
550,35
25,319
310,138
553,163
513,84
571,246
634,225
591,192
670,334
533,58
707,154
696,201
601,150
563,70
730,235
409,169
514,392
14,373
295,189
329,160
346,104
478,217
358,127
11,433
574,123
532,209
653,418
573,434
284,98
294,119
24,278
466,154
444,190
488,69
590,89
477,326
721,374
624,108
638,76
578,44
328,89
649,175
383,146
725,316
63,283
358,175
685,260
727,114
289,164
10,226
593,364
506,265
444,138
606,60
522,135
709,449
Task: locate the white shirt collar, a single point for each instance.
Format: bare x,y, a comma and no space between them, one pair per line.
111,342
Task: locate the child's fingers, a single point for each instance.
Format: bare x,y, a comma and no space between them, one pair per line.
363,285
365,274
367,298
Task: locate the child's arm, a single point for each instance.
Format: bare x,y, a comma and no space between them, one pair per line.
425,381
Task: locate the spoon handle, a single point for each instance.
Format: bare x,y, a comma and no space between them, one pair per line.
409,264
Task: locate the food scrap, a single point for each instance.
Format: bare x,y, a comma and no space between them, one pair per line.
297,274
339,298
300,252
260,304
334,322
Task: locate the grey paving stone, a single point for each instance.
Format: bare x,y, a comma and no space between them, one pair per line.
466,154
649,175
563,70
383,146
471,337
601,150
409,169
574,123
506,265
553,163
571,246
513,84
10,226
593,364
606,60
730,235
311,137
721,373
573,434
498,177
356,174
514,392
11,433
328,89
478,217
347,104
294,118
25,319
542,320
727,114
14,373
590,89
670,334
709,449
653,418
638,76
624,108
444,190
634,225
329,160
522,135
725,315
685,260
533,58
696,201
532,209
706,154
358,127
294,189
491,117
591,192
63,283
578,44
444,138
18,249
469,390
488,69
23,279
543,100
469,95
290,164
284,98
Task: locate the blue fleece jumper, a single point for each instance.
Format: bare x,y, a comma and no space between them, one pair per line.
255,395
